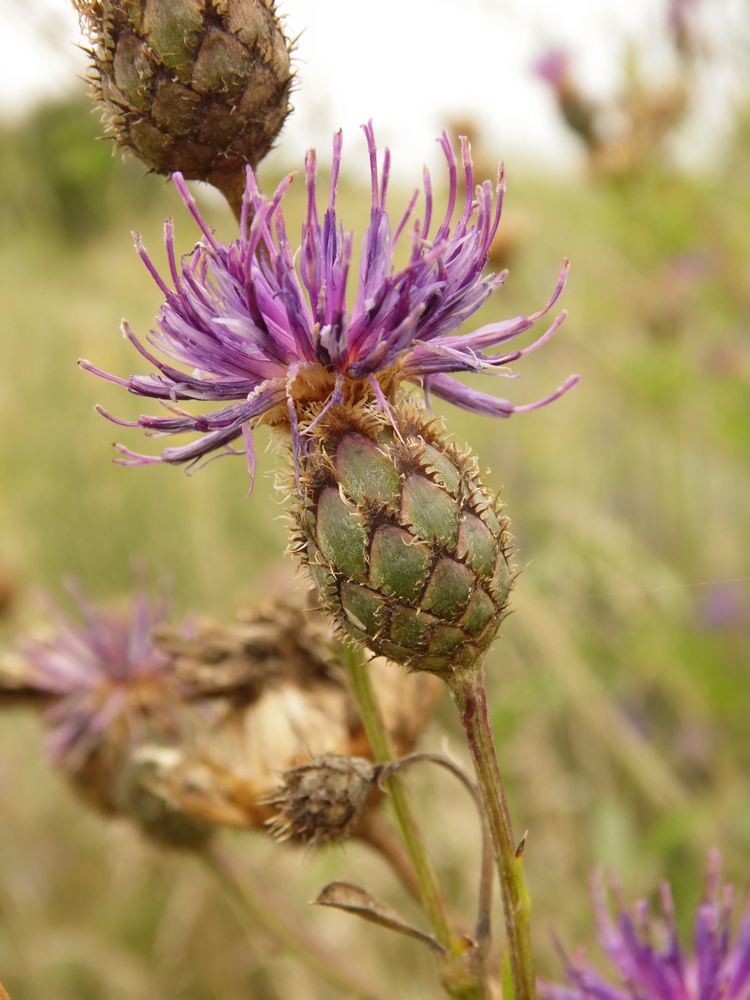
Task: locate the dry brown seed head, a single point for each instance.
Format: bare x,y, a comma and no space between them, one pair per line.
323,800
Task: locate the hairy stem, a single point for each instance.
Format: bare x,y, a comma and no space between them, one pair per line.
470,697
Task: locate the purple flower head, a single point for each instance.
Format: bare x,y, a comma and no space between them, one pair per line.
268,332
108,682
647,955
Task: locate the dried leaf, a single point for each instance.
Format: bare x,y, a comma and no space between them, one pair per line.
353,899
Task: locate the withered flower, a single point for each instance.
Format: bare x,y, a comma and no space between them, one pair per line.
322,801
107,690
277,700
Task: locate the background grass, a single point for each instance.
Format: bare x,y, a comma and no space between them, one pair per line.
621,687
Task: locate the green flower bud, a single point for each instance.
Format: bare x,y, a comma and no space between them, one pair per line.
199,86
405,544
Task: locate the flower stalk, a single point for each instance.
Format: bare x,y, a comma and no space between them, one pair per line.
482,930
408,550
468,691
432,896
458,978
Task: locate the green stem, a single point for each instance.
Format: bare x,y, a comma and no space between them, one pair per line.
429,888
261,903
461,970
379,835
470,697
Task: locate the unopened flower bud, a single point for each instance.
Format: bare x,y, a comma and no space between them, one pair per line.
323,800
199,86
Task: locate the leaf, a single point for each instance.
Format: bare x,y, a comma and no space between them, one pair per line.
353,899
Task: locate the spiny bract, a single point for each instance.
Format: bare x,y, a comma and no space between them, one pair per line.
200,86
405,544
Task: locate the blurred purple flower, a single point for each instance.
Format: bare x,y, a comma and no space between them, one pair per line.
721,606
648,957
553,66
681,22
108,682
265,335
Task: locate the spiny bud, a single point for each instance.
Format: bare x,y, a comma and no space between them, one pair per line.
404,543
323,800
199,86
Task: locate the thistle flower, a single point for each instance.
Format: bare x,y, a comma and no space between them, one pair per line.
400,536
108,690
649,959
273,342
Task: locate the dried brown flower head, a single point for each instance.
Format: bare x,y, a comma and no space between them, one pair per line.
277,700
323,800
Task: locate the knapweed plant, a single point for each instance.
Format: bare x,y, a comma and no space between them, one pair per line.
408,549
293,720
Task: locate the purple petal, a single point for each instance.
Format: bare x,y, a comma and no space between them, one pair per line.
480,402
240,317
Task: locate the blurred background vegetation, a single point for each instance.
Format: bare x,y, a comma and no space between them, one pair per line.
621,686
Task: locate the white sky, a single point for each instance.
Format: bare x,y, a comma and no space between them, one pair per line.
409,64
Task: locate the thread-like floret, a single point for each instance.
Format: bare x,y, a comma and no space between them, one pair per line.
647,955
266,331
